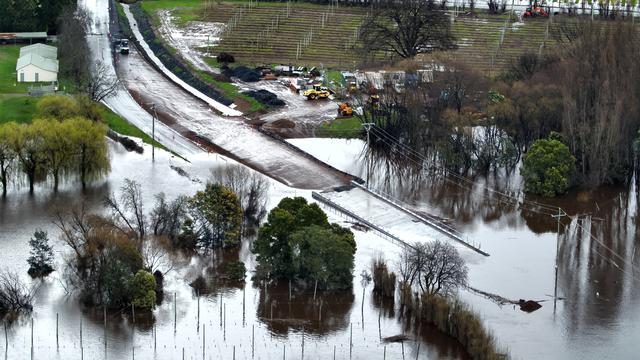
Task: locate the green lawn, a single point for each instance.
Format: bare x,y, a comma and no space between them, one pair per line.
22,109
122,127
343,127
17,108
8,57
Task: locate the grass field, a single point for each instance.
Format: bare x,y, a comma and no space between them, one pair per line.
8,57
342,127
17,108
480,38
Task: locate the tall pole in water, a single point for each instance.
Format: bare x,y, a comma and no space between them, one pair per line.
153,133
367,127
555,287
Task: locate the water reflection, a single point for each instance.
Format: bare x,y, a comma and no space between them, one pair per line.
329,312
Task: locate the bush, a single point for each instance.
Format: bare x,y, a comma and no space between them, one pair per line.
384,282
547,168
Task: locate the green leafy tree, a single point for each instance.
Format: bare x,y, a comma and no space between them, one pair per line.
297,241
89,145
29,145
217,213
57,107
41,255
324,255
143,290
547,168
58,148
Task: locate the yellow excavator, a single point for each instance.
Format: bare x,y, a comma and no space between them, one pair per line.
344,109
317,92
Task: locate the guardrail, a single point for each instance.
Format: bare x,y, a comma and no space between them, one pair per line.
353,215
431,221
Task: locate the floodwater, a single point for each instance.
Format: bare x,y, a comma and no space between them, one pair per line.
598,267
270,321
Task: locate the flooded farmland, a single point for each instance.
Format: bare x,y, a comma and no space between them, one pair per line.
597,318
598,268
245,319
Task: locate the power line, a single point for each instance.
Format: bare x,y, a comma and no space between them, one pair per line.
385,135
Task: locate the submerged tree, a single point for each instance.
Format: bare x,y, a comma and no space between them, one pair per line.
41,255
298,242
436,267
217,216
547,168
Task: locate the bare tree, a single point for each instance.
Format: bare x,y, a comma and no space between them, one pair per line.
436,267
407,28
167,217
251,187
102,83
15,295
128,210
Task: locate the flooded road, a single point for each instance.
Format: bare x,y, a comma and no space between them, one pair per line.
269,321
598,272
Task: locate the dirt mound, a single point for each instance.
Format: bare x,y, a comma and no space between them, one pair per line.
529,305
265,97
243,73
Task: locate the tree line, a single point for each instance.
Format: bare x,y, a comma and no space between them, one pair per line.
585,90
62,143
31,15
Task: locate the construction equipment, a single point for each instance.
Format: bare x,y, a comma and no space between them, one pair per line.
374,101
535,11
344,109
317,92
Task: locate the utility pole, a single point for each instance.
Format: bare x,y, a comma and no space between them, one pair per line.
367,127
153,133
555,287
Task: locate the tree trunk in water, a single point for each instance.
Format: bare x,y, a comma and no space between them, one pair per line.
56,181
314,289
32,179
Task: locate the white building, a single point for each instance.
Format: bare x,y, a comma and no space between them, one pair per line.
37,63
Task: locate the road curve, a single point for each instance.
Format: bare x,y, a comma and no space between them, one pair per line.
121,102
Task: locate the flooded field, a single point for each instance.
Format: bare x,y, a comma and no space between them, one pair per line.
229,318
598,272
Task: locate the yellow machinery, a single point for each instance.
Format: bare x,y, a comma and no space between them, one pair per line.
374,101
344,109
318,92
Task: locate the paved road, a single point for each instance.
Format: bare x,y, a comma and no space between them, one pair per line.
122,103
188,115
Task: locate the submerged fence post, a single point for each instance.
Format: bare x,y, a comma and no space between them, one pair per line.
81,348
350,340
252,339
175,312
6,338
204,337
104,317
303,343
57,342
32,338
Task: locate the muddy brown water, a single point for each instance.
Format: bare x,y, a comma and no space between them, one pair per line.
598,272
